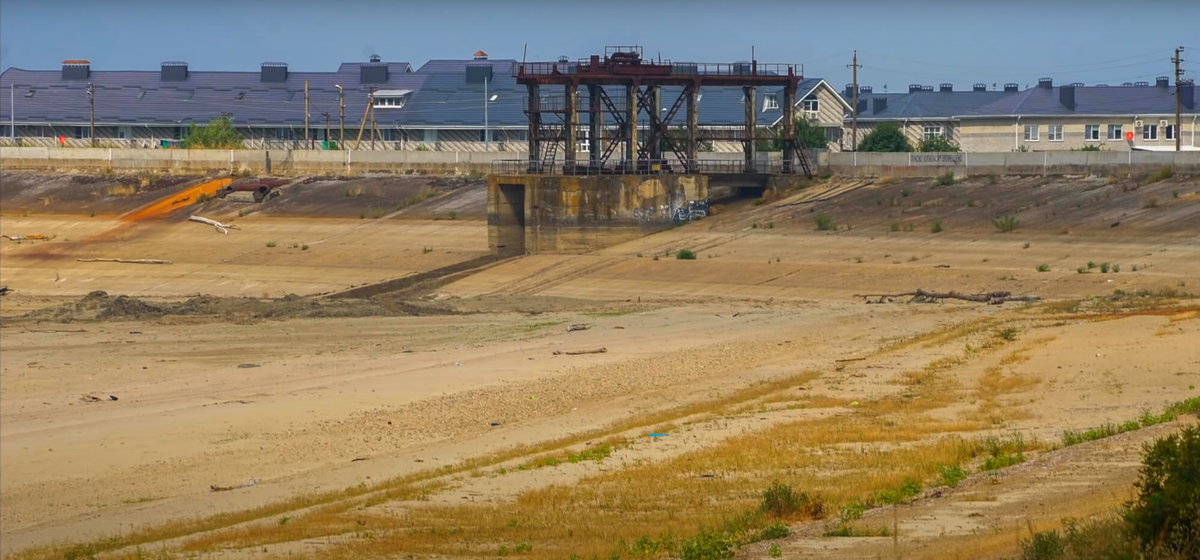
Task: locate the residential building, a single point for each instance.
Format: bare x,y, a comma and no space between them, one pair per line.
447,105
923,112
1075,116
146,108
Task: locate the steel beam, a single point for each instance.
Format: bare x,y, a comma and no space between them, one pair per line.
750,146
693,128
595,125
789,128
535,126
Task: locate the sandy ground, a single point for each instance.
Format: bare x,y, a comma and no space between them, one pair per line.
297,404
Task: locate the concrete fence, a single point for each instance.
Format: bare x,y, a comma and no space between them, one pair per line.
282,162
1007,163
300,162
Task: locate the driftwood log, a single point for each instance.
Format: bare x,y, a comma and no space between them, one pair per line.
223,228
4,290
922,296
127,261
580,352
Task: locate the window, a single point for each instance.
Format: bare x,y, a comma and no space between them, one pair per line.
1031,133
390,102
1150,132
1054,133
810,105
30,93
45,132
181,132
283,134
390,134
124,132
769,102
931,131
1170,132
1114,132
83,132
1091,132
429,136
141,93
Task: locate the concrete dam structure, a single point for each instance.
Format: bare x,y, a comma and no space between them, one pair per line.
574,214
642,171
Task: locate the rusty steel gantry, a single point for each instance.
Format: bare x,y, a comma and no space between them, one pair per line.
556,120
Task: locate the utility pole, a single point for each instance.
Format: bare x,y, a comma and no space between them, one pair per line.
91,110
341,118
307,131
1178,99
854,105
326,113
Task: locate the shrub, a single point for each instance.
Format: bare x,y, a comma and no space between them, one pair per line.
782,502
952,475
1160,175
685,255
936,227
708,545
1104,268
824,222
1168,493
1005,224
1043,268
946,179
1150,202
1047,545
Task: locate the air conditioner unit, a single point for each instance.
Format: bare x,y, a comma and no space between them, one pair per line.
1137,124
1163,124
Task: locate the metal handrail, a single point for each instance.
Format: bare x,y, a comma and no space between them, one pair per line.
641,167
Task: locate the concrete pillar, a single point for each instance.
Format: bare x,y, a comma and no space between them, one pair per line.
693,126
751,149
595,124
535,127
572,118
789,127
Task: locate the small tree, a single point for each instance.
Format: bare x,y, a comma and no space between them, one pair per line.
938,144
218,134
808,136
887,137
1167,506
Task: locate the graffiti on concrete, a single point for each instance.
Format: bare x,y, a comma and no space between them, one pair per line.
684,210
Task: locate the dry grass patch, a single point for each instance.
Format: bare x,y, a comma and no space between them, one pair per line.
121,190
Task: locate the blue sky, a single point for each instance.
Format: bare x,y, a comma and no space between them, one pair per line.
927,42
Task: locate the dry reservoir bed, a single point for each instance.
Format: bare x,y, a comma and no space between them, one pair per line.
468,421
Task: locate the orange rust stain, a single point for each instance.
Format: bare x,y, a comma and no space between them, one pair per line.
167,206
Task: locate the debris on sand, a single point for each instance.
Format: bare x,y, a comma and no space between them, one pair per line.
33,237
577,327
223,228
922,296
218,488
127,261
100,306
580,352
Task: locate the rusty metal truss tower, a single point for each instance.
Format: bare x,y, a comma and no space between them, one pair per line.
637,122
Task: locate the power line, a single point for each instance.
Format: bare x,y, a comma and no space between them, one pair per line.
1024,68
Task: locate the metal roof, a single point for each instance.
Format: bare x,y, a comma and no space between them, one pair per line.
1089,100
917,105
142,98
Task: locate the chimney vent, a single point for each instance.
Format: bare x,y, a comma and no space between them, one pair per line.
979,87
273,73
375,58
1187,94
374,72
1066,96
174,71
849,91
1162,81
926,88
1141,84
1011,87
1045,83
864,89
76,69
1077,84
946,87
880,105
914,87
480,55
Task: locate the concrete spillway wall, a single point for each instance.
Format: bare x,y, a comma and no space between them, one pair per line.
566,214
